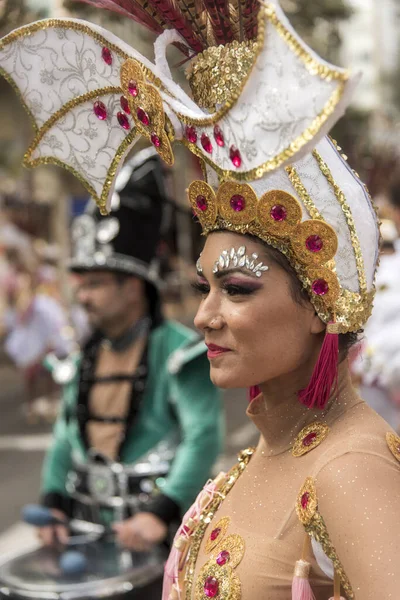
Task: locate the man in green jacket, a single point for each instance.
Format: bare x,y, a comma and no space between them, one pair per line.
138,401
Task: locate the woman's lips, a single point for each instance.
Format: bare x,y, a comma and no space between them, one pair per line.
214,350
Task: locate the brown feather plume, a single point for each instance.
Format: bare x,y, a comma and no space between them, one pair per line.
218,14
139,11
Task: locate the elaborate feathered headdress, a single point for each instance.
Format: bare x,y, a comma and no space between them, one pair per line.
261,104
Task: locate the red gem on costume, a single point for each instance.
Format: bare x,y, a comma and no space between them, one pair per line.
278,212
320,287
308,440
133,88
219,136
305,500
215,533
191,134
201,203
143,116
223,558
106,55
235,156
155,140
237,202
211,587
314,243
125,105
100,110
206,143
123,120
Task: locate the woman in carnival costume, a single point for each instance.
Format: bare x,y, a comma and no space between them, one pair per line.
286,279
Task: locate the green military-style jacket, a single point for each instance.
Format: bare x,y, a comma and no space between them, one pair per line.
178,394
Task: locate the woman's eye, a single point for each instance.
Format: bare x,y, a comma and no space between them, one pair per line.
237,290
200,288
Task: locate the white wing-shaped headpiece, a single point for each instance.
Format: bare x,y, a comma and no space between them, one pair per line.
91,96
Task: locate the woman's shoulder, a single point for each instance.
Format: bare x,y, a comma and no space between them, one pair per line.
358,433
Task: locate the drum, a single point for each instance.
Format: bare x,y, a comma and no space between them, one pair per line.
111,573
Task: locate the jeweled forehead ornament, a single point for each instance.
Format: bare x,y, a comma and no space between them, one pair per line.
238,258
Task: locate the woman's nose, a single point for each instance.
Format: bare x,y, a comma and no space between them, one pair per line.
208,315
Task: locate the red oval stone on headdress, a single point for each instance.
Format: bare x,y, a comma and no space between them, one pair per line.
278,212
106,55
100,110
219,136
211,587
155,140
191,134
206,143
133,88
143,116
215,533
314,243
308,439
237,202
123,120
235,156
125,105
320,287
305,500
201,203
223,558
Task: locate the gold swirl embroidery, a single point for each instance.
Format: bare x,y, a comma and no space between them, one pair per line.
307,512
207,516
309,438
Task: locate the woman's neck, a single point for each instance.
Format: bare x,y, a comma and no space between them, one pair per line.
280,419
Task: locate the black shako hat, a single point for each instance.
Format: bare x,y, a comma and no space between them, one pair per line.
126,241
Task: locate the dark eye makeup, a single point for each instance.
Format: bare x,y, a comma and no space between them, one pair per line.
232,286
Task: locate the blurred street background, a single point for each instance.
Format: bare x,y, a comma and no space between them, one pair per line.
36,208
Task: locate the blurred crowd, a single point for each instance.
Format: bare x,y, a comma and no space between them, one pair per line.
35,319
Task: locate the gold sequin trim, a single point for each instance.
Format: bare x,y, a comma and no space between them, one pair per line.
148,100
307,511
302,193
234,544
349,218
393,441
304,444
205,518
217,73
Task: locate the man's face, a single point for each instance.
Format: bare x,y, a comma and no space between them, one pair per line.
107,299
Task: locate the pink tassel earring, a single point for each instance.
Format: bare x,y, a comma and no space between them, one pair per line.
323,381
301,588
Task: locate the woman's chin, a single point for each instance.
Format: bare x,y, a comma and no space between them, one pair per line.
226,379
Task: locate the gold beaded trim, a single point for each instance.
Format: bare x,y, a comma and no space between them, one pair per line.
206,517
349,219
215,211
149,100
307,512
393,441
300,447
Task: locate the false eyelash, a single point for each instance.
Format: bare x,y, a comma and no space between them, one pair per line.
237,290
200,288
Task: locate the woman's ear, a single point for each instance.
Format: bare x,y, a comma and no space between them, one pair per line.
317,326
